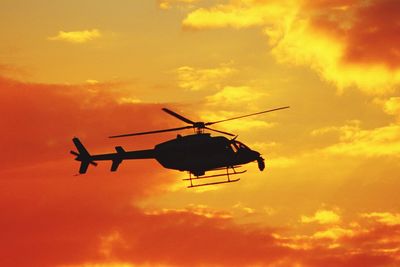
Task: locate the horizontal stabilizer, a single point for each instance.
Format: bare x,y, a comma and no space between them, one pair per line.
84,166
118,159
115,164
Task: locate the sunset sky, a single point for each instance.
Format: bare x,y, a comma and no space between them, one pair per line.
329,195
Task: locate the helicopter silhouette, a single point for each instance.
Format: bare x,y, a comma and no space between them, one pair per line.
196,153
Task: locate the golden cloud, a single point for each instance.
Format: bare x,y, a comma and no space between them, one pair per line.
229,97
234,95
241,207
109,264
199,210
77,36
349,43
129,100
384,217
322,217
354,141
392,106
237,14
167,4
334,233
196,79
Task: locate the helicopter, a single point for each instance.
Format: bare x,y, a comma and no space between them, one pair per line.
197,153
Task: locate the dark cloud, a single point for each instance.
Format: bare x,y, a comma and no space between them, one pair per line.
39,120
369,30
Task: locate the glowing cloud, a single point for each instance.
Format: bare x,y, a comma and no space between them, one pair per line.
196,79
384,217
346,42
392,106
236,14
322,217
234,95
200,210
167,4
333,233
302,44
77,36
113,264
129,100
354,141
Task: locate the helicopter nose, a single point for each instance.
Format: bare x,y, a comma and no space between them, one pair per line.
260,161
252,155
248,155
255,154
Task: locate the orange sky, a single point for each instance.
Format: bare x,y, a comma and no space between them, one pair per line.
329,194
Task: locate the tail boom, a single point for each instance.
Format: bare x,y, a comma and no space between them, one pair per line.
116,158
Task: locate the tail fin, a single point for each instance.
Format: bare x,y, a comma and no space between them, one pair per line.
82,155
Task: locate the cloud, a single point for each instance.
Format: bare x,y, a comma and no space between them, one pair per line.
368,33
349,43
55,219
354,141
129,100
236,14
333,233
371,35
392,106
196,79
91,222
384,217
234,95
167,4
113,264
92,82
67,214
77,37
322,217
45,117
229,98
201,210
131,236
242,208
12,71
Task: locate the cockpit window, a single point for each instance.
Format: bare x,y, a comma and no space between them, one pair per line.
240,145
234,147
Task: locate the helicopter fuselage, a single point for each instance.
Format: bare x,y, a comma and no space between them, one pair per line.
198,153
195,153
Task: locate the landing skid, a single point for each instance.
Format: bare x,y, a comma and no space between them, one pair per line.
227,174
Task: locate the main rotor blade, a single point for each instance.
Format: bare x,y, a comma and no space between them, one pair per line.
218,131
234,118
152,132
176,115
